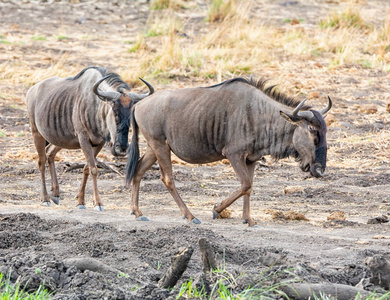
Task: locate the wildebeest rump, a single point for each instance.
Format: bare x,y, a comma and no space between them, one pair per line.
240,119
74,113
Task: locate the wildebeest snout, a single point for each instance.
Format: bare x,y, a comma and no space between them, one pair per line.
317,170
119,149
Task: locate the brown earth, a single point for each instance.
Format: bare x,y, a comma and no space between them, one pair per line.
318,250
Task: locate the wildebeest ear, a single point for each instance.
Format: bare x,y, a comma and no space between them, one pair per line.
289,118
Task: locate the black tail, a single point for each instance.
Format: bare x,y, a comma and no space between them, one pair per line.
133,158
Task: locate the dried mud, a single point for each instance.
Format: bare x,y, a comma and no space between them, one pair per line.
37,243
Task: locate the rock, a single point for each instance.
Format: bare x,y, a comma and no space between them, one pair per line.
292,190
225,214
294,21
330,119
313,95
369,109
351,80
378,220
336,215
380,268
295,216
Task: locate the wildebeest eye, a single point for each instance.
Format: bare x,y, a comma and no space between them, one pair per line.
312,129
316,138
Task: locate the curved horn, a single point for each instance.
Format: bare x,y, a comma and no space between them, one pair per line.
295,111
306,114
326,109
137,97
105,96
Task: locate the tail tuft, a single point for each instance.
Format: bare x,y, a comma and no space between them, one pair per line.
132,160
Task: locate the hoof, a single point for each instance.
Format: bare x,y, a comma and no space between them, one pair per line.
81,207
255,226
46,203
142,218
99,208
56,200
215,214
195,221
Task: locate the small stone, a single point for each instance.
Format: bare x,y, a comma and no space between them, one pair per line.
318,65
295,216
292,190
294,21
378,220
330,119
337,215
225,214
313,95
369,109
388,105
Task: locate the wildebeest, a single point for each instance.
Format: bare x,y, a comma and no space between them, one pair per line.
74,113
239,119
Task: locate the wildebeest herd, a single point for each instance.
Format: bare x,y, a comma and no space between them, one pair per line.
240,119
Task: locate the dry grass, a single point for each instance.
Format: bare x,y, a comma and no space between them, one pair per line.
220,10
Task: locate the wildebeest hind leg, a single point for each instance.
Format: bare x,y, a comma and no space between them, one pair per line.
146,161
244,173
163,153
51,152
40,144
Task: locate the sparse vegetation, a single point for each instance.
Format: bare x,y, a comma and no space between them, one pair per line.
39,38
164,4
348,18
8,291
219,10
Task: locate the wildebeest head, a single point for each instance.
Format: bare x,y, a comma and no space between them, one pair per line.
309,138
121,102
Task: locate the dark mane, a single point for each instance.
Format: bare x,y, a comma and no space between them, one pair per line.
270,91
114,80
101,70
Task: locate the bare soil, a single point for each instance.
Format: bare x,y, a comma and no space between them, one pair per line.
36,242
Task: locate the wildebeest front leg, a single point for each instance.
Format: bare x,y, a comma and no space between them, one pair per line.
81,193
244,173
146,161
40,145
51,152
90,155
163,154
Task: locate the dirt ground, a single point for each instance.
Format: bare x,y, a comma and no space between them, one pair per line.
37,243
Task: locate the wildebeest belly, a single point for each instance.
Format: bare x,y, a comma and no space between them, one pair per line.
59,139
194,151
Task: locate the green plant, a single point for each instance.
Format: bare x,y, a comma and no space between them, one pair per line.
38,38
62,37
190,290
123,275
15,292
2,133
38,271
